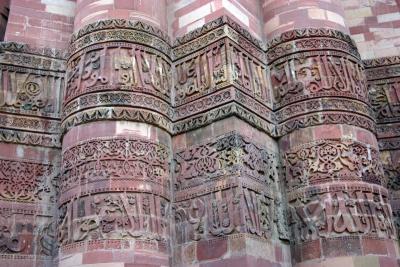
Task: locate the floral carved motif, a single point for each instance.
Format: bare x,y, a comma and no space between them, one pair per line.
227,154
332,160
27,181
114,158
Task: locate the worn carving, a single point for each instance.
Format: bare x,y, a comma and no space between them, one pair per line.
114,216
385,100
332,160
225,155
248,74
118,67
340,211
25,181
20,233
114,158
225,212
202,73
118,189
317,75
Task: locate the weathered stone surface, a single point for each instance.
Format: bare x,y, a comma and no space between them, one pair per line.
133,147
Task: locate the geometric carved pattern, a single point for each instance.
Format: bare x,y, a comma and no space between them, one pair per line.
118,188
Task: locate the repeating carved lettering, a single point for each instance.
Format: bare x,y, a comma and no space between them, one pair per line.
118,68
141,216
248,74
320,74
201,73
343,211
224,212
385,100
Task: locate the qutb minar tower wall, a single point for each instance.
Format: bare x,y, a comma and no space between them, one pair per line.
199,133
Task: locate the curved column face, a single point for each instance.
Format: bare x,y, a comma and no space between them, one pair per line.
31,82
337,199
384,79
149,11
115,186
110,79
282,15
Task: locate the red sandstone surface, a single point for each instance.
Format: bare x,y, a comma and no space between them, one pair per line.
199,133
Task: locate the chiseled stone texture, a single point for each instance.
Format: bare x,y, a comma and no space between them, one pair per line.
199,133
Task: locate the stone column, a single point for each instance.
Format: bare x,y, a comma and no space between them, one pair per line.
227,203
115,186
31,80
337,201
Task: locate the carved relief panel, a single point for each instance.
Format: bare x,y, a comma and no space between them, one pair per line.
317,74
27,234
31,80
332,160
30,91
385,100
124,215
28,181
120,158
341,210
118,66
226,155
225,212
249,73
201,73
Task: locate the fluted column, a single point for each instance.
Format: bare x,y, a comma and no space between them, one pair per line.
337,201
115,185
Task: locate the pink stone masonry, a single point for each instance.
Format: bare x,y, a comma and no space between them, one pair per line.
199,133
